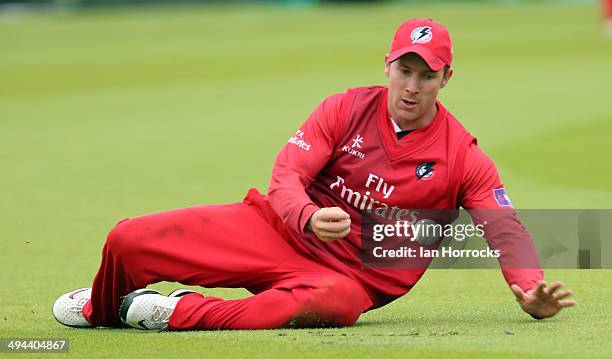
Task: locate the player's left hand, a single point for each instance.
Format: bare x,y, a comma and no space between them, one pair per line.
543,301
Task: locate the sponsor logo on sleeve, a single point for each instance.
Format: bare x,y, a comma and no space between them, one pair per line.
298,140
501,197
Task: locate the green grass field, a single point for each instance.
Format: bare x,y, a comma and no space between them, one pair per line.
117,113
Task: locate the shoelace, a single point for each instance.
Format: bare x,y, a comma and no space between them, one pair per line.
78,305
161,314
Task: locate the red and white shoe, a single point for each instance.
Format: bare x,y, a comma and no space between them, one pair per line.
147,309
180,292
68,308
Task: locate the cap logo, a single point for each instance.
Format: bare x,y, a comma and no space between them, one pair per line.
421,35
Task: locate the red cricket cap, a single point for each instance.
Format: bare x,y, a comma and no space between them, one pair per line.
426,38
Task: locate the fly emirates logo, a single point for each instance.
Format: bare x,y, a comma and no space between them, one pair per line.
298,140
367,202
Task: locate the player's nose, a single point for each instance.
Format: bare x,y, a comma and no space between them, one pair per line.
412,85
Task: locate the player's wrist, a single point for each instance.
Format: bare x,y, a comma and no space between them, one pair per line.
310,220
308,227
306,220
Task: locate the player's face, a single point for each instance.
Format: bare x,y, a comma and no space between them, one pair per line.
413,89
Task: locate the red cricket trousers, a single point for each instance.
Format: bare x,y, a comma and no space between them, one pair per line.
235,245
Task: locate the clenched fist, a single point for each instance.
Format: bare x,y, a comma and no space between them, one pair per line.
329,224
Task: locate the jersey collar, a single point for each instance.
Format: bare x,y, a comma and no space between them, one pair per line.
418,139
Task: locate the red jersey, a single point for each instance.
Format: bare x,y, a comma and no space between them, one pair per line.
347,155
607,9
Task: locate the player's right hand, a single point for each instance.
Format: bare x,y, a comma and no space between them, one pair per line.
329,224
543,301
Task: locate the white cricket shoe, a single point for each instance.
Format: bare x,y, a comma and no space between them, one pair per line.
180,292
68,308
147,309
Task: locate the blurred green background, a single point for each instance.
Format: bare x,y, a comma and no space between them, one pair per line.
110,112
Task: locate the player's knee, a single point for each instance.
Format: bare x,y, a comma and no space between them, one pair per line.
336,301
120,241
348,300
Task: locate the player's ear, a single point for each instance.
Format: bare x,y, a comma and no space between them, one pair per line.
387,66
447,75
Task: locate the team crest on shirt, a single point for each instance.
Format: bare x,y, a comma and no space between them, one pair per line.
501,197
421,35
425,171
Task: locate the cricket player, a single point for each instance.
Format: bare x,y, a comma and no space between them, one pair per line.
380,149
607,14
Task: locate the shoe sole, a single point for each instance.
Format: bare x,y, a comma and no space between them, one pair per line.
127,302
